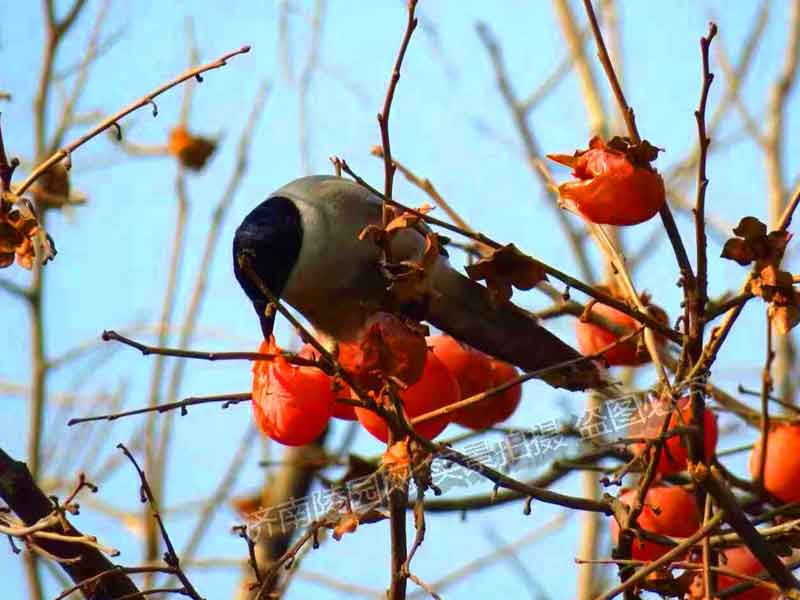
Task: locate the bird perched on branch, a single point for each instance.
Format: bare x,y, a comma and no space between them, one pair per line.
304,244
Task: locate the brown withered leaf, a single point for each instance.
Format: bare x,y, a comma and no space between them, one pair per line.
407,219
397,461
776,287
10,238
752,243
21,235
348,523
506,267
738,250
750,228
408,278
783,318
193,151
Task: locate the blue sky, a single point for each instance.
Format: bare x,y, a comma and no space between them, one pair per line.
448,123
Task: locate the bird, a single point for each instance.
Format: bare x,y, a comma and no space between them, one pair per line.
303,244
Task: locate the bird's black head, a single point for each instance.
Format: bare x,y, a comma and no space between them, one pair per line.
270,238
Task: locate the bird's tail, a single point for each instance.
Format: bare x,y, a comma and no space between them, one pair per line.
463,309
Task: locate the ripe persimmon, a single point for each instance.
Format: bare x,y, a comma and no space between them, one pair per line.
435,388
613,187
291,404
340,389
782,466
476,372
675,453
594,337
741,560
676,515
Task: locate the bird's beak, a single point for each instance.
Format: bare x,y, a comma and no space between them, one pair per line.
266,316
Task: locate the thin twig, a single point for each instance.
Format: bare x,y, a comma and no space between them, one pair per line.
226,399
170,557
111,121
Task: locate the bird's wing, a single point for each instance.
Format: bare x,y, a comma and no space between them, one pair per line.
463,308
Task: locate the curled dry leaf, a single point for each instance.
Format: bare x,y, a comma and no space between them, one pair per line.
505,268
753,244
406,278
348,523
387,347
784,318
52,188
21,235
397,461
192,151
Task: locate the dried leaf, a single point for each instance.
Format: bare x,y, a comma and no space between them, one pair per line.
397,461
396,456
191,150
21,233
568,160
348,523
772,276
374,232
506,267
739,250
407,219
10,238
750,228
783,318
753,244
52,188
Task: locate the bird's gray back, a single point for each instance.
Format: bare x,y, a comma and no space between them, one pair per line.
337,282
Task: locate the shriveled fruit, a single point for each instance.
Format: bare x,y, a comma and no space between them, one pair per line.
192,151
291,404
613,186
782,466
675,453
741,560
436,388
677,516
593,337
386,347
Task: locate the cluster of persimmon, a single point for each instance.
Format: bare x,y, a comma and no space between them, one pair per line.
292,404
672,510
616,185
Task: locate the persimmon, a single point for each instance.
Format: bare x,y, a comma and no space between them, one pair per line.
291,404
782,466
594,337
675,453
471,368
386,347
614,186
340,389
436,388
476,372
676,515
741,560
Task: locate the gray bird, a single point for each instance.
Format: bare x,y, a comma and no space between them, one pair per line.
303,244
